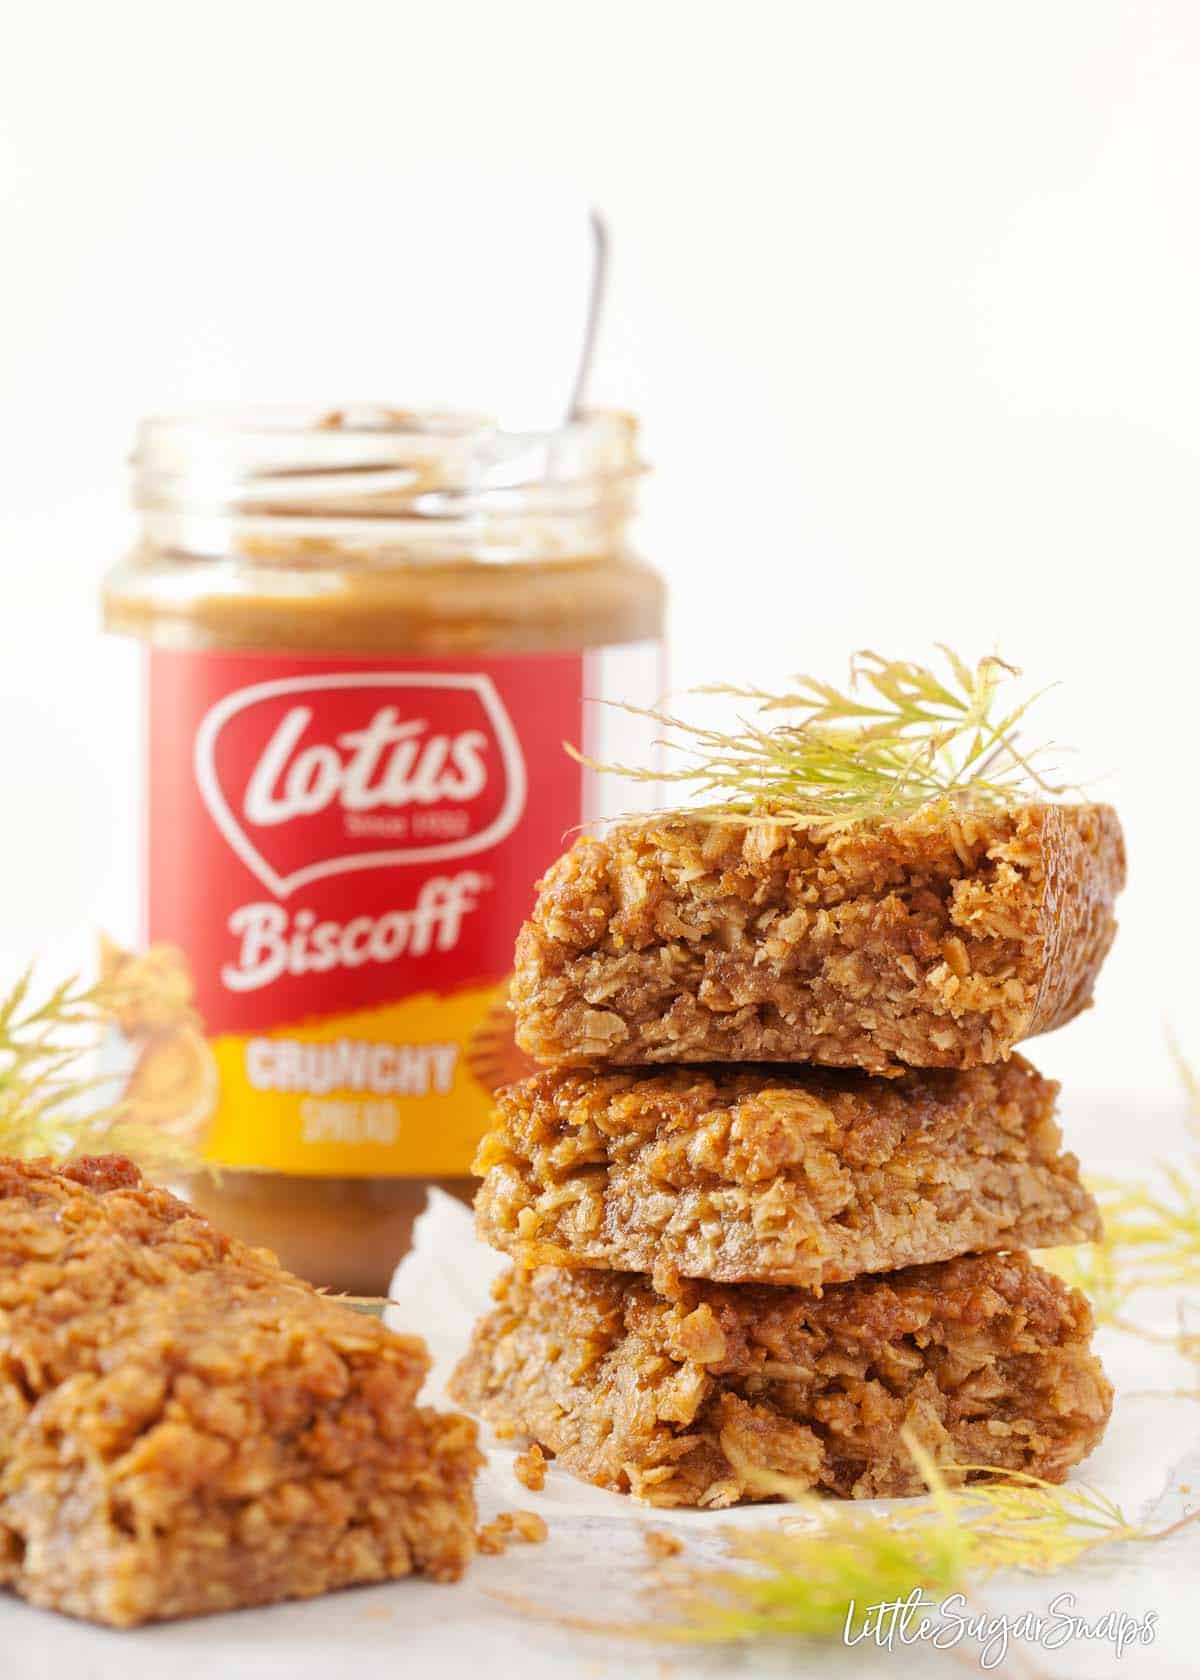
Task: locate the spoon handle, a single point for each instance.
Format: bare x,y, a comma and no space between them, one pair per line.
595,308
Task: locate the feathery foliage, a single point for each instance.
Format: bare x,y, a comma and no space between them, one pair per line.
899,736
804,1579
1151,1232
47,1106
1151,1240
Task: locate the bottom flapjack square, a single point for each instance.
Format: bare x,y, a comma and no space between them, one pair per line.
712,1395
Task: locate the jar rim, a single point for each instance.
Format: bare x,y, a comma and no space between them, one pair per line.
320,457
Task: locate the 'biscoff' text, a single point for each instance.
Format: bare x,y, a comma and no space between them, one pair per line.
273,941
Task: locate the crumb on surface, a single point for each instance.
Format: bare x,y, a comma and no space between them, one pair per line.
491,1539
507,1526
529,1468
662,1545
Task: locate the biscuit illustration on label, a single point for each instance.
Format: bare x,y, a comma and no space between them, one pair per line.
173,1083
492,1053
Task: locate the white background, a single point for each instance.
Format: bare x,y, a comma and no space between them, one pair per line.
907,294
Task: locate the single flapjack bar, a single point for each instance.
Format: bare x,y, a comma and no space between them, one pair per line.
800,1176
185,1427
940,940
713,1395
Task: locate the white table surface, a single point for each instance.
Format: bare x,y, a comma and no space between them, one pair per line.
594,1564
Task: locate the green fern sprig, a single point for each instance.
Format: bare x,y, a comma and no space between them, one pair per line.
899,736
48,1106
829,1560
803,1579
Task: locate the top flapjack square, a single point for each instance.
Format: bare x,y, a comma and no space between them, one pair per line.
943,939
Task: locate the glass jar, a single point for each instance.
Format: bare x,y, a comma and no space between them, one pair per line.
366,636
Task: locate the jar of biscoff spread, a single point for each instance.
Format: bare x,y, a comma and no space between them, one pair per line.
365,637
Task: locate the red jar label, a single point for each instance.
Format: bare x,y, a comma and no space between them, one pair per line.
339,854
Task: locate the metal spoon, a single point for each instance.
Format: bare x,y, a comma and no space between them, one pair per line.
591,331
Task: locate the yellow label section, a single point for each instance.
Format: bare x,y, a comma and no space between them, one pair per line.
403,1089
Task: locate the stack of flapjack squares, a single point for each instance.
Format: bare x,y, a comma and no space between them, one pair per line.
770,1195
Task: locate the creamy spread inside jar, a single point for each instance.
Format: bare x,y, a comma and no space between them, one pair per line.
365,637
